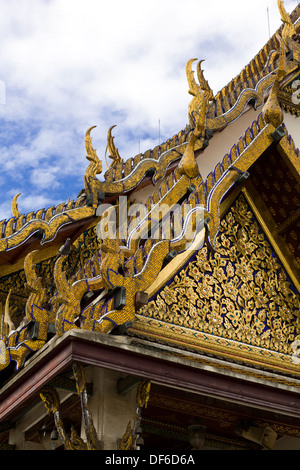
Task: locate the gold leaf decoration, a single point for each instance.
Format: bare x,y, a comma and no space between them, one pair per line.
289,29
94,168
15,210
112,150
201,93
240,291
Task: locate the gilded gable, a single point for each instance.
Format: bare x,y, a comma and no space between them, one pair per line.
239,292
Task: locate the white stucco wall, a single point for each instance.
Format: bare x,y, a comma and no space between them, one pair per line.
221,144
293,127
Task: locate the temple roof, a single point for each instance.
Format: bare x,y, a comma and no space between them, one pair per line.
77,279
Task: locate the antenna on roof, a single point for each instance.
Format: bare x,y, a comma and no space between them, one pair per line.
158,131
268,22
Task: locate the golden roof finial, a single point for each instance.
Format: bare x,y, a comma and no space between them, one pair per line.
202,95
201,92
289,29
111,148
94,168
15,210
272,111
92,153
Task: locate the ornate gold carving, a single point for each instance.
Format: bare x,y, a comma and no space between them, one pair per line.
113,152
106,271
40,308
289,29
129,439
122,177
143,393
240,292
94,168
18,228
68,295
117,271
34,284
272,111
32,332
202,95
92,441
15,210
72,441
100,315
51,400
250,92
118,182
49,227
7,324
111,277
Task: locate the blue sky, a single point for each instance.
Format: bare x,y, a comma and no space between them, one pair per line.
67,65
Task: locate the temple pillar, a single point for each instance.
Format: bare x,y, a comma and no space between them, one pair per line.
110,409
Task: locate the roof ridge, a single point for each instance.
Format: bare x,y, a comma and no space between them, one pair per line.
124,168
13,224
259,62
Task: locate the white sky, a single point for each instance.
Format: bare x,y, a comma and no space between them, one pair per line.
66,65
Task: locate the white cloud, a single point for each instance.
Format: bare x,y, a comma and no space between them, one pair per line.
34,202
45,177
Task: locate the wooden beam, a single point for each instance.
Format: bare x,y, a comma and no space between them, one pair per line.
116,353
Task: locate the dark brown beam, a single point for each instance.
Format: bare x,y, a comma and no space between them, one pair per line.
106,352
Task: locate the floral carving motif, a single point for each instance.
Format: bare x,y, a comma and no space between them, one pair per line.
240,292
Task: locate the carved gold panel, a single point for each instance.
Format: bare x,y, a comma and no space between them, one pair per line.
236,302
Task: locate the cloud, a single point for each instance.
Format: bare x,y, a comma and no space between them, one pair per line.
34,202
26,204
71,64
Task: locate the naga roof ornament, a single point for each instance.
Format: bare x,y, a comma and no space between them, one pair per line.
94,168
272,111
289,29
202,95
113,152
201,92
15,210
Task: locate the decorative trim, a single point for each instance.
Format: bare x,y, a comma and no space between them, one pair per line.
48,227
214,346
